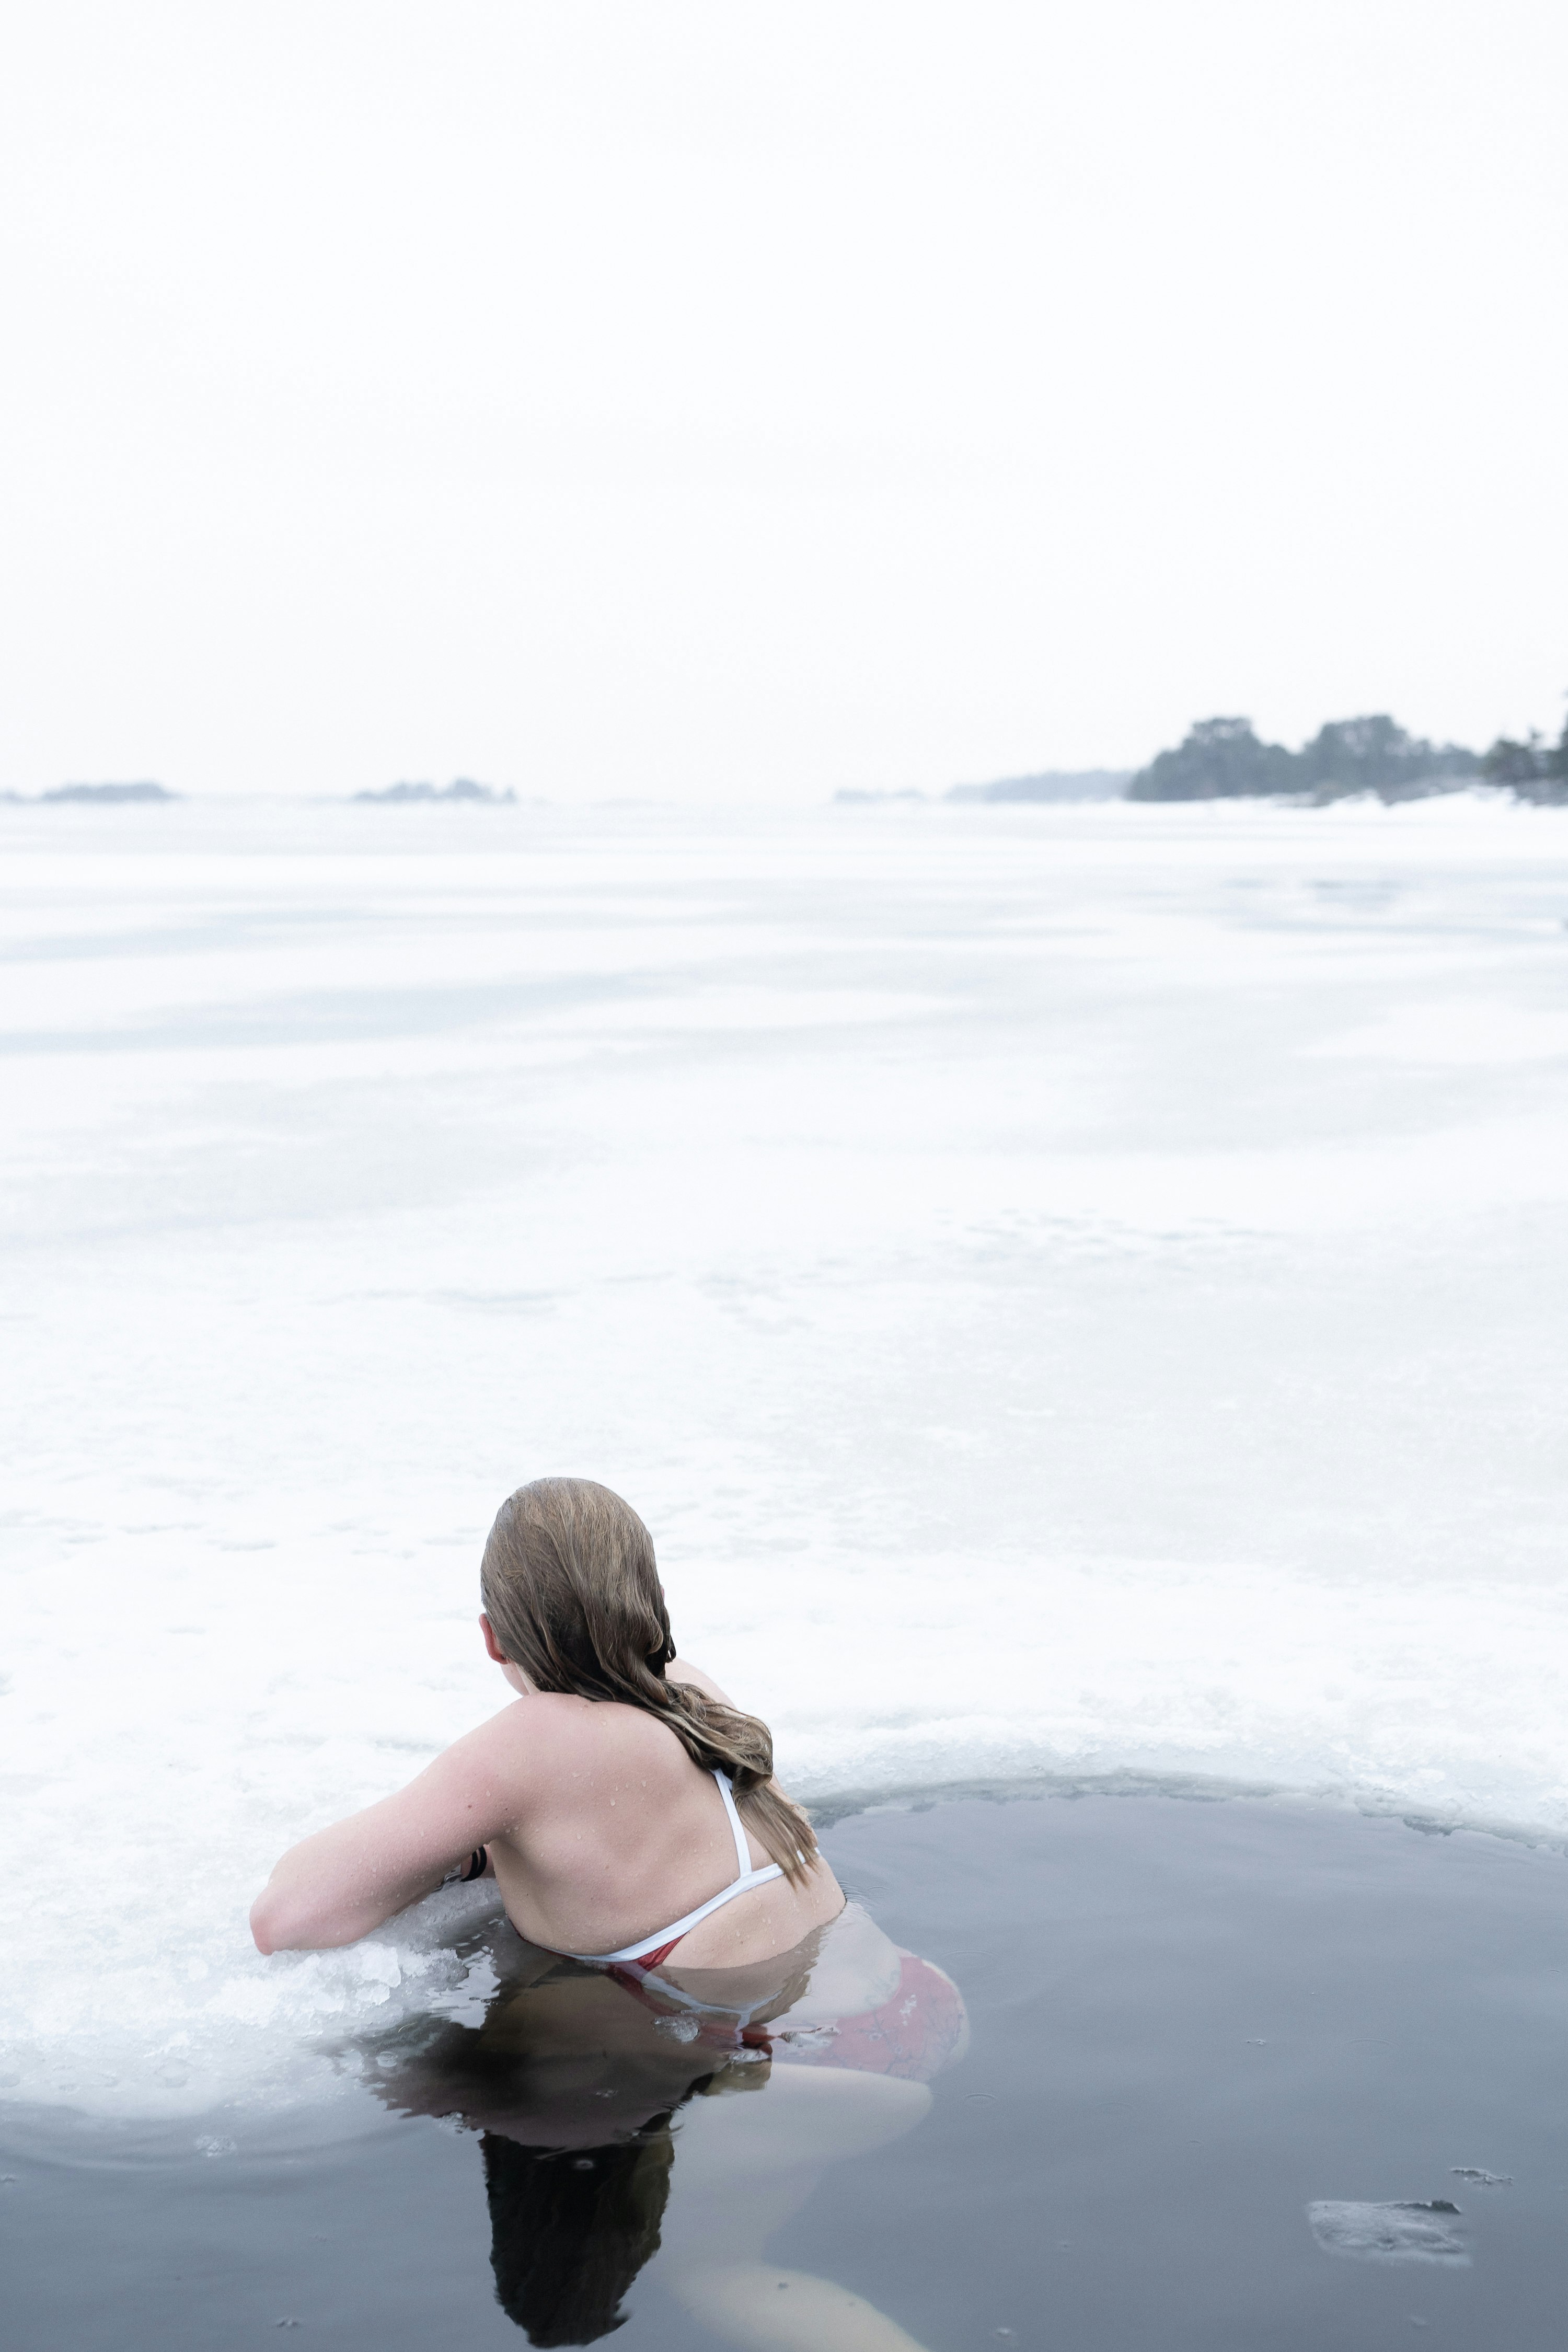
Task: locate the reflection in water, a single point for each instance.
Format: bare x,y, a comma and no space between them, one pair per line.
570,2233
588,2084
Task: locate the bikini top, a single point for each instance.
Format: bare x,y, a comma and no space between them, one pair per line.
649,1950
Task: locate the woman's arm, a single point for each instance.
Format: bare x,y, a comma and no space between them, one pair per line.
340,1884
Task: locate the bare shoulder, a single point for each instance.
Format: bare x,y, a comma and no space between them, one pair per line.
681,1670
525,1744
539,1744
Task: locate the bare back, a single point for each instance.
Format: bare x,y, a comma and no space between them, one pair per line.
600,1830
620,1834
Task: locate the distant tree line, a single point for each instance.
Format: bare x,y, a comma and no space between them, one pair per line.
1537,770
1224,759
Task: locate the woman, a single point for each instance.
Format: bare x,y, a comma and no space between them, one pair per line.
689,1941
621,1803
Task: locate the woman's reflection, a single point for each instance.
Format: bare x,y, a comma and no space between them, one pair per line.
588,2085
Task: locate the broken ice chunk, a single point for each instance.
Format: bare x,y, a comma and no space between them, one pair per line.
1396,2232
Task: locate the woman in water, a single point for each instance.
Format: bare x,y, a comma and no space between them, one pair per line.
688,1937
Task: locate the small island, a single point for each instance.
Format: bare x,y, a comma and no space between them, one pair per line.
102,793
1050,784
461,788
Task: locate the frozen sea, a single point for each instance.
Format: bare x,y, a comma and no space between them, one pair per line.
1078,1294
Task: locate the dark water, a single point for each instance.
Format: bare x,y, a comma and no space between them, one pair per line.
1191,2023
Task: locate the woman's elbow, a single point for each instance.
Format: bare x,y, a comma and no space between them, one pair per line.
281,1923
273,1927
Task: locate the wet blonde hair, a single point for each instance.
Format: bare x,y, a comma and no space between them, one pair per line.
572,1590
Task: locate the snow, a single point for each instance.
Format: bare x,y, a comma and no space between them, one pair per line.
1075,1292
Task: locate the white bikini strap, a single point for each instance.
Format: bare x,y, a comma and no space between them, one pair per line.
743,1851
663,1936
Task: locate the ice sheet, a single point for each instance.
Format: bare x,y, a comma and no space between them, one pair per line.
1073,1290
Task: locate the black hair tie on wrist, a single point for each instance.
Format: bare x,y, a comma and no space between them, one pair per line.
477,1862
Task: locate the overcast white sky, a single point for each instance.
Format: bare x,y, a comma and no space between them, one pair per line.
723,401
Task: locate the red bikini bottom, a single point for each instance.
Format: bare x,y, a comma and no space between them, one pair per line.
912,2033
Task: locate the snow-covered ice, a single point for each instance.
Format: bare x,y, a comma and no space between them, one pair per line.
1074,1291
